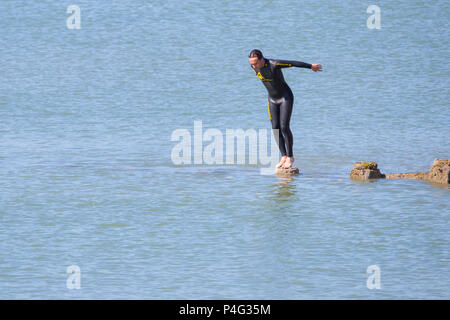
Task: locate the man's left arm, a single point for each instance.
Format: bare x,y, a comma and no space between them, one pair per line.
292,63
298,64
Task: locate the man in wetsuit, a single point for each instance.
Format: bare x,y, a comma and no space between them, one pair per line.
281,98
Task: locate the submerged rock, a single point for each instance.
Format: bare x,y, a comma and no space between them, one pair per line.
408,175
286,172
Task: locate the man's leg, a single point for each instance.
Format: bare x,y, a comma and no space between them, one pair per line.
274,115
285,118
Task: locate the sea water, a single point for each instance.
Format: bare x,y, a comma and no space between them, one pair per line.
87,178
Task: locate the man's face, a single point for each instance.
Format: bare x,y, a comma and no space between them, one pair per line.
256,63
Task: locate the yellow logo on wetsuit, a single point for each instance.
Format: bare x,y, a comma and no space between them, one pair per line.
284,64
259,75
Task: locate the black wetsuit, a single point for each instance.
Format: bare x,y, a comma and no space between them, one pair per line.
281,99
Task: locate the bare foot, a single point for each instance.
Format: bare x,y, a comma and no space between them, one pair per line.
288,163
283,159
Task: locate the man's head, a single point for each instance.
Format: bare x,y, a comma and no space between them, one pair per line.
256,59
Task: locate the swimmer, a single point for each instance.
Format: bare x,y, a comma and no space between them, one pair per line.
280,98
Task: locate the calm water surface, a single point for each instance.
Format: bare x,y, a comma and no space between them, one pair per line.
85,144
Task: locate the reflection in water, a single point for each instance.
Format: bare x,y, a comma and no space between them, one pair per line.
284,191
286,180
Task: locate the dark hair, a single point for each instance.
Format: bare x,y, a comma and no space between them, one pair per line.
255,53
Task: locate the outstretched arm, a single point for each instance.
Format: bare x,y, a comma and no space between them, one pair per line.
291,63
298,64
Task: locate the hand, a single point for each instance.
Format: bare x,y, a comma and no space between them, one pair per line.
316,67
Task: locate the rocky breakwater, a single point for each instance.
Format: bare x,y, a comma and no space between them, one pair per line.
439,172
